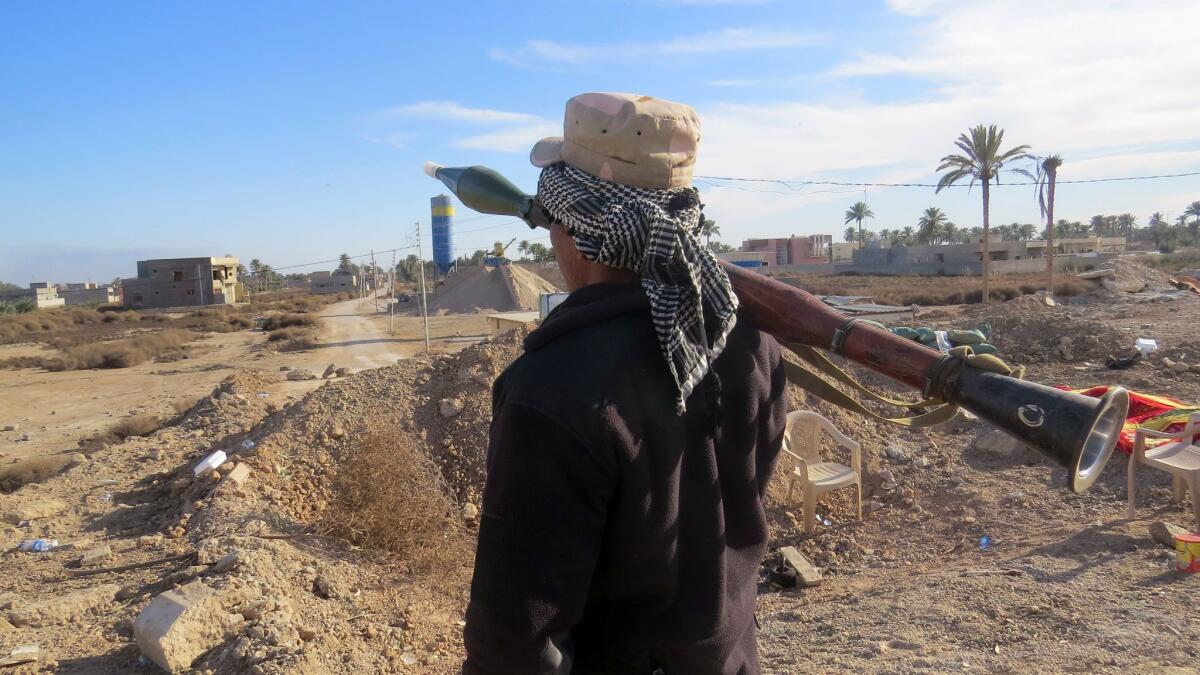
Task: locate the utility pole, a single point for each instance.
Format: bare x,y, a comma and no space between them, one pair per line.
391,296
424,299
374,281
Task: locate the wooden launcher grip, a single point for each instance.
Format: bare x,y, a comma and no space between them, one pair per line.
794,315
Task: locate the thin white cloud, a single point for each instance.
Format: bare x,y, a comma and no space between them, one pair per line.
704,3
516,139
547,52
503,130
442,110
1110,85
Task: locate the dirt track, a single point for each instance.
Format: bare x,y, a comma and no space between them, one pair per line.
59,408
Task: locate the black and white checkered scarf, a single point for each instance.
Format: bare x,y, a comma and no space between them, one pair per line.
656,234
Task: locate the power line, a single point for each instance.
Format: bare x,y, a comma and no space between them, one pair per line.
338,259
792,184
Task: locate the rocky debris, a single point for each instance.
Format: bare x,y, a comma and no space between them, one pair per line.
237,476
63,609
1165,533
227,563
329,371
342,372
300,374
180,625
35,507
449,407
896,454
329,588
998,443
96,556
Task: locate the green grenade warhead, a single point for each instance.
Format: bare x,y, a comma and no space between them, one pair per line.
486,191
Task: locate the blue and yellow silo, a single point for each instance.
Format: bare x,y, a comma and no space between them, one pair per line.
443,241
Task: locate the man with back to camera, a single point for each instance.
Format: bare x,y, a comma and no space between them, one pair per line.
631,444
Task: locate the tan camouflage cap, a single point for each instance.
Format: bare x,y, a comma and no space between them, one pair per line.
626,138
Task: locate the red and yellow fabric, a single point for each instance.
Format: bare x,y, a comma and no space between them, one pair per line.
1146,411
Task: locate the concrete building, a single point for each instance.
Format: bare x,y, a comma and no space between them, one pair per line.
1078,246
1007,257
40,294
183,282
843,251
813,249
90,294
749,259
333,283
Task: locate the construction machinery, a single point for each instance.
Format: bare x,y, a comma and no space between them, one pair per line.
496,257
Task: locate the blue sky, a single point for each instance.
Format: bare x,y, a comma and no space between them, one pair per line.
294,131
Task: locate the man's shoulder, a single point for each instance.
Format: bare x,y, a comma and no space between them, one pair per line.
588,357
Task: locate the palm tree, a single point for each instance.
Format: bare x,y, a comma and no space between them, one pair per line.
858,212
523,247
931,225
1193,210
1158,224
1047,175
909,235
1125,224
849,235
982,160
709,228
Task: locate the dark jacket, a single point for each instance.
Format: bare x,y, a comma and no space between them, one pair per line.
617,536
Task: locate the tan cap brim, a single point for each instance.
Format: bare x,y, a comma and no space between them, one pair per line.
547,151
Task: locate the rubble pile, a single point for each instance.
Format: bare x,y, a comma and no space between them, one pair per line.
1026,330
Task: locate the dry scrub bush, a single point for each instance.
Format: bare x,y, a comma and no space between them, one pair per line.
120,353
31,470
134,425
276,321
390,497
281,334
18,362
19,326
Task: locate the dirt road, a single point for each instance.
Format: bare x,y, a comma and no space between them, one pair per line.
57,409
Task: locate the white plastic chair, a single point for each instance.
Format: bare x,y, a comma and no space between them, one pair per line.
1179,458
802,442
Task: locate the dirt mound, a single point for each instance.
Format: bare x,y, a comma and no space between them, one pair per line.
496,289
471,289
1130,273
528,287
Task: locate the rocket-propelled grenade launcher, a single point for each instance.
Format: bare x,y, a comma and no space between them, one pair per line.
1077,432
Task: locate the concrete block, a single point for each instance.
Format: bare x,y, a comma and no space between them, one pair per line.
63,609
32,508
94,557
22,654
180,625
807,575
329,371
12,427
237,477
